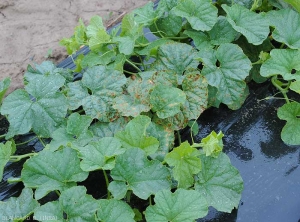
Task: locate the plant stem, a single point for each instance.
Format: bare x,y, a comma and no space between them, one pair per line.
42,142
128,196
57,192
19,157
2,136
159,32
178,137
283,91
150,200
177,38
107,183
18,144
137,68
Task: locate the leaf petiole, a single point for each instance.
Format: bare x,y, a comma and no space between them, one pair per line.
19,144
133,65
274,81
19,157
107,183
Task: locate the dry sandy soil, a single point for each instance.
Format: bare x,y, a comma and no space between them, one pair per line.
31,29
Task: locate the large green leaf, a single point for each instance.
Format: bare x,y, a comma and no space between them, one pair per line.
294,3
226,68
195,88
220,183
77,124
18,209
200,39
254,26
291,131
166,101
177,57
134,135
201,14
104,84
49,171
74,203
4,85
284,62
137,100
287,27
6,150
133,171
100,154
114,211
95,25
100,129
182,205
167,26
43,112
166,138
145,15
186,162
101,58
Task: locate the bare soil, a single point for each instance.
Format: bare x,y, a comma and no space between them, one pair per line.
30,30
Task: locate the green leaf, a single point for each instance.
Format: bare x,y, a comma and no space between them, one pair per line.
43,112
200,39
151,49
77,124
145,15
95,25
166,138
47,68
182,205
212,144
100,154
101,129
49,171
74,202
201,14
105,84
226,68
177,57
126,44
291,131
134,135
6,150
287,27
114,211
133,171
284,62
222,32
294,3
186,162
246,22
295,86
102,58
168,26
18,209
166,6
166,101
98,40
220,183
4,85
137,101
195,88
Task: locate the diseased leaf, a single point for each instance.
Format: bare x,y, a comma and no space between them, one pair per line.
177,57
100,154
182,205
284,62
226,68
186,162
4,85
291,131
287,27
42,108
137,101
220,183
164,77
49,171
201,14
134,135
18,208
166,101
6,150
246,22
177,122
114,211
74,203
105,84
135,172
195,88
